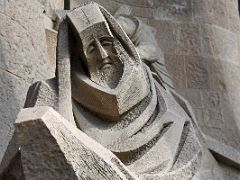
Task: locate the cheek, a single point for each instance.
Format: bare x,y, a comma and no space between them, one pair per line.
92,64
111,50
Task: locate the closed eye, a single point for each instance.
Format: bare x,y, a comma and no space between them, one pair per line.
90,49
106,43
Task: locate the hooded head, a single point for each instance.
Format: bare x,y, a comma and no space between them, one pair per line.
107,76
96,46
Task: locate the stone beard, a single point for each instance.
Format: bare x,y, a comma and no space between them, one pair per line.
110,70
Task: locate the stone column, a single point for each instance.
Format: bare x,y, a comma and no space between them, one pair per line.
23,58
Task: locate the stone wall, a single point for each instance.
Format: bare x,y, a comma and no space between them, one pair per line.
201,42
23,58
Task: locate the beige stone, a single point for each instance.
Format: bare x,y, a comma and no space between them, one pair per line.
176,68
110,5
174,11
194,96
201,41
23,59
206,35
211,11
148,120
196,72
143,12
52,148
51,38
188,40
166,35
225,45
212,110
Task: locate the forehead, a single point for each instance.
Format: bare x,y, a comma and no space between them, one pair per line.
89,22
98,31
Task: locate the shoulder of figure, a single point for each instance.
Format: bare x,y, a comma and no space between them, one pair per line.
42,93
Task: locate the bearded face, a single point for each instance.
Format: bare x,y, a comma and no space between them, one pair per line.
102,62
106,79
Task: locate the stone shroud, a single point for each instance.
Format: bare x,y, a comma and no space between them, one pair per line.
198,109
201,44
174,120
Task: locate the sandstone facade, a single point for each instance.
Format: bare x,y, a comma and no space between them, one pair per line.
23,59
201,45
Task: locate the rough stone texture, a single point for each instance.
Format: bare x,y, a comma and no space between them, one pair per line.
176,67
49,8
144,40
23,59
52,148
166,33
148,122
201,44
157,137
51,38
230,173
203,36
196,73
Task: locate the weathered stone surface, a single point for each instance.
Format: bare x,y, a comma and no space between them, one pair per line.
196,72
231,125
213,41
173,11
11,100
110,5
139,3
223,153
206,35
49,7
225,46
49,10
20,52
143,12
230,172
198,112
144,40
152,121
216,75
13,171
188,39
166,35
23,59
219,43
212,110
194,96
218,118
176,68
51,38
211,11
233,15
52,148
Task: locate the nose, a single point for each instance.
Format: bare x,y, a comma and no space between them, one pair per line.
102,52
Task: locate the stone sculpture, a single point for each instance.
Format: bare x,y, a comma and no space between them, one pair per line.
143,38
131,125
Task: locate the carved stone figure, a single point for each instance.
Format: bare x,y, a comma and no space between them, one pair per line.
143,38
128,120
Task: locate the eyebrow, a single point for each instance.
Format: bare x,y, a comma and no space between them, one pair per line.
106,36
